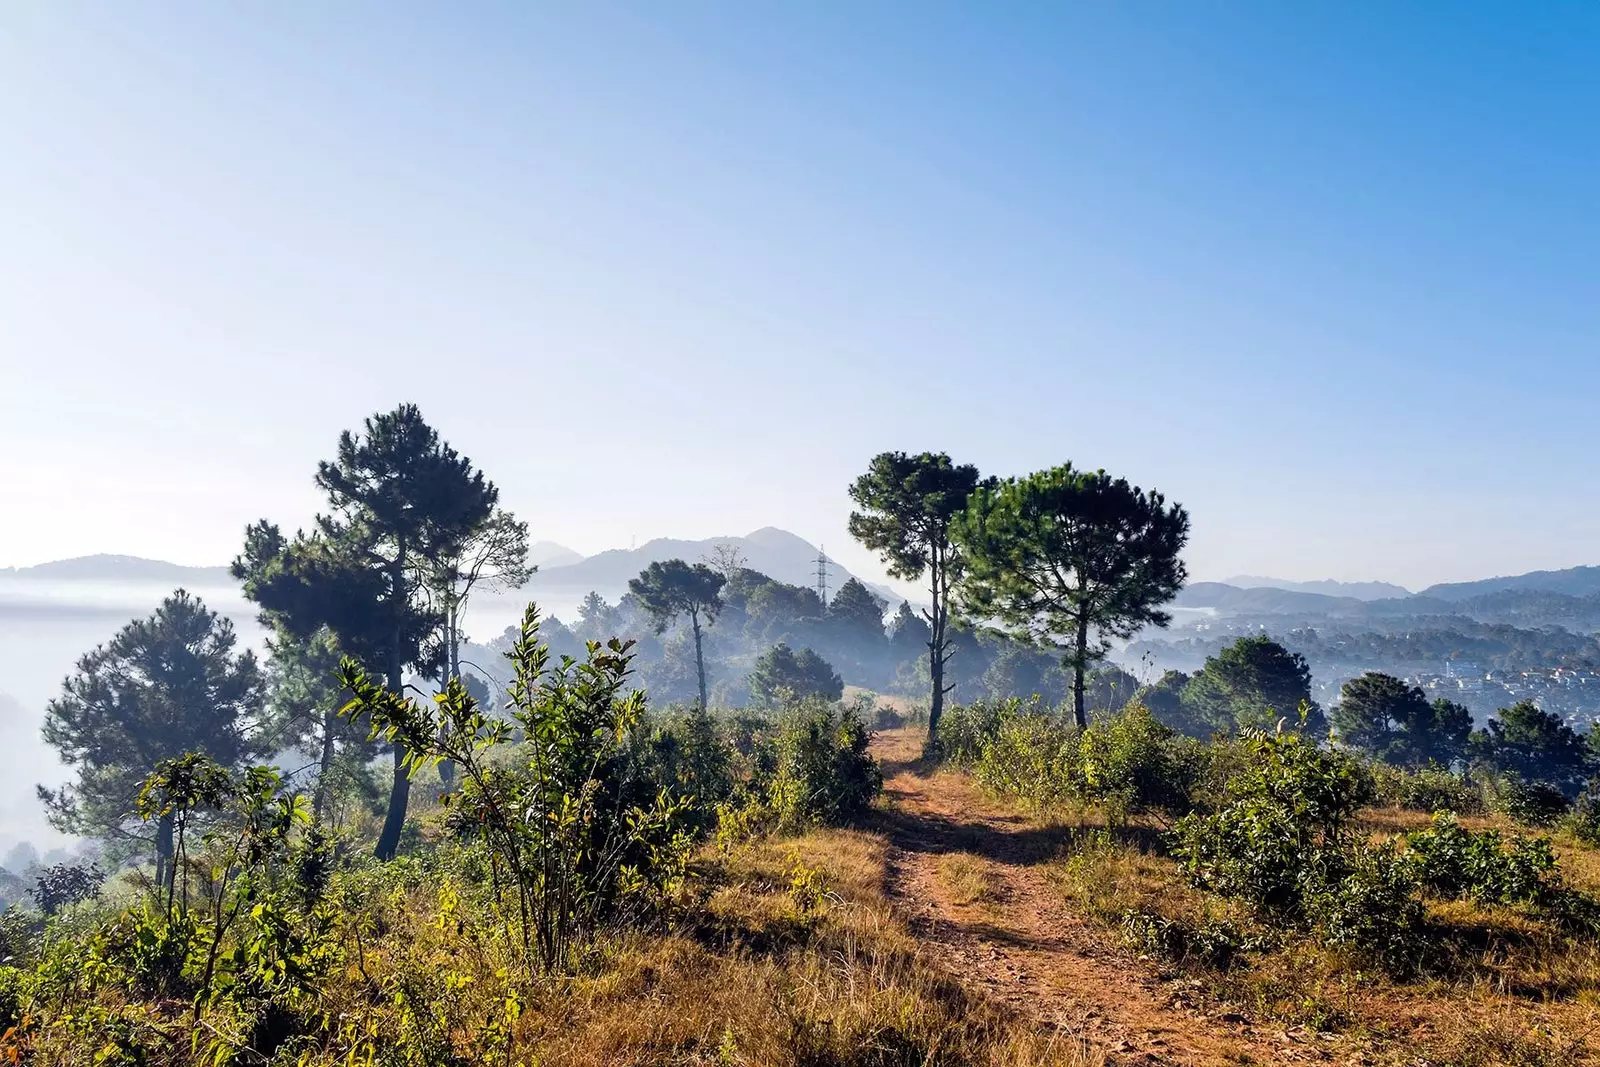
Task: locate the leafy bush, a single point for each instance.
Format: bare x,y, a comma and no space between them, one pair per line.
566,843
1210,943
1373,910
1457,863
1285,847
1534,803
1427,789
1030,756
65,884
1130,762
824,773
965,729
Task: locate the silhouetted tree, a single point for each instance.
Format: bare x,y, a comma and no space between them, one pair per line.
1397,723
674,588
1165,699
1073,558
1536,745
1254,682
161,687
399,496
907,506
799,674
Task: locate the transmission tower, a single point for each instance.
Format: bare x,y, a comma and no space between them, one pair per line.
822,578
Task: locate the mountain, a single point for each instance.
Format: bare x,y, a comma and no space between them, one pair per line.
1263,600
109,568
550,554
776,553
1324,586
1574,581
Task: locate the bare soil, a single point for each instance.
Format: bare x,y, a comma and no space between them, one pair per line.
1021,944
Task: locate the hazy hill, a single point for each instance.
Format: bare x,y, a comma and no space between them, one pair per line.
776,553
1324,586
1574,581
550,554
1264,600
111,568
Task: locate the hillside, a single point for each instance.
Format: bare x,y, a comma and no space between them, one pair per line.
1573,581
114,568
776,553
1323,586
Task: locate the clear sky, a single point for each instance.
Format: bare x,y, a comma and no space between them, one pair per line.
1329,274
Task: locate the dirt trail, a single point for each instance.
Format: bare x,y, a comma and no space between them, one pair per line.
1028,948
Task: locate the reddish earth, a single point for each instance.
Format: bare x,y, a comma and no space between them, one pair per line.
1026,947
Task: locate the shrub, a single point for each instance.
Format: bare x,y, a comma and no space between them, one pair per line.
1210,943
824,773
1130,762
1457,863
65,884
1284,846
1374,910
1031,756
965,729
1531,803
1427,789
568,841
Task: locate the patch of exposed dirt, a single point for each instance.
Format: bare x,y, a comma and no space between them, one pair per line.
1022,945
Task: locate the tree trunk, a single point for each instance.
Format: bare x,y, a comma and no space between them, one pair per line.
1080,660
319,798
699,658
400,789
936,627
165,869
452,638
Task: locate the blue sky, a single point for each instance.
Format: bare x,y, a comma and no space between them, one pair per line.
1329,274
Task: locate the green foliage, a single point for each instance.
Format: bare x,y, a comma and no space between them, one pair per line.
1537,746
1030,756
1253,684
824,774
782,675
1285,846
1211,943
1395,722
967,729
1532,803
1125,762
1426,789
162,686
1371,908
1454,862
909,507
1073,558
1168,701
1130,762
567,851
62,885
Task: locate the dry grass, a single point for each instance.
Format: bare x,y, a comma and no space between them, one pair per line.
1503,987
968,879
750,973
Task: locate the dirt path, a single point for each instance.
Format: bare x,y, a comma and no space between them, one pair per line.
1028,948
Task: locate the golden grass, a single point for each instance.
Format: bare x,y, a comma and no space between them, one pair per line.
749,973
968,879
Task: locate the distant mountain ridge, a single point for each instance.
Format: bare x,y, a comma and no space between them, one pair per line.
1574,581
1324,586
776,553
114,568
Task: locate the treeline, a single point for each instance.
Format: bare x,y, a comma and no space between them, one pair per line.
1256,683
1400,645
